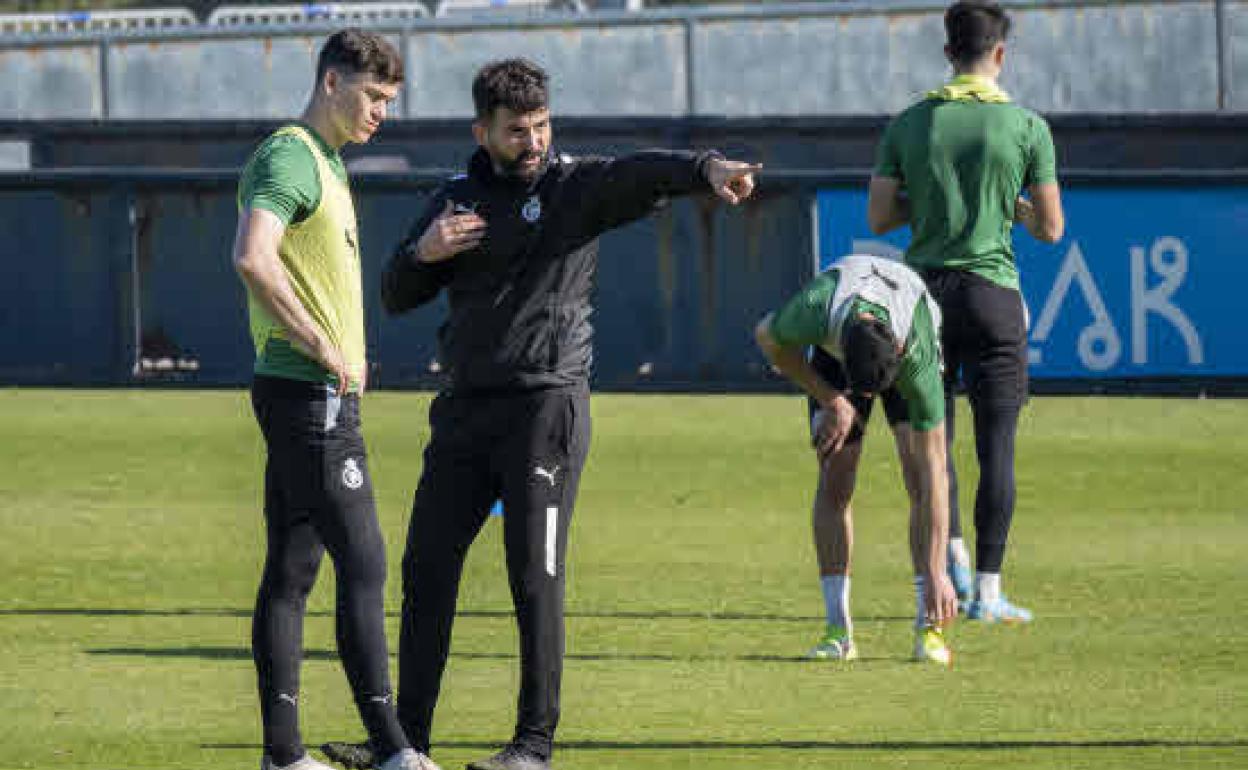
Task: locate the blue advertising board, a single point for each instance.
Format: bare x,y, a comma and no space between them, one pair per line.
1148,282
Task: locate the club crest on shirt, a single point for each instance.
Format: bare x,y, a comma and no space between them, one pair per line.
532,210
352,476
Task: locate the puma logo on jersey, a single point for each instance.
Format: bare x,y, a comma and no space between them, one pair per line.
549,475
350,236
291,699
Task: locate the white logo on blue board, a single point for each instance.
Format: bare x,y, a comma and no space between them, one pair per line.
532,210
1100,346
352,476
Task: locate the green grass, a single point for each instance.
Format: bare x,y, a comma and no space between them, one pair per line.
133,540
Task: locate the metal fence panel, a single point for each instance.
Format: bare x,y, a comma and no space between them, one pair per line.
106,273
65,300
124,20
1204,141
679,293
353,14
192,311
51,82
401,349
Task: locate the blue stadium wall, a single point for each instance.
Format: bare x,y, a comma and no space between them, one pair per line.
119,276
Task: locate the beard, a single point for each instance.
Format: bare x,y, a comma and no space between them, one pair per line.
515,169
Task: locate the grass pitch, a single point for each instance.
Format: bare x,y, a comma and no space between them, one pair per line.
133,541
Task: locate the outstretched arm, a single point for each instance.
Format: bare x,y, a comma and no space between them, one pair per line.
617,191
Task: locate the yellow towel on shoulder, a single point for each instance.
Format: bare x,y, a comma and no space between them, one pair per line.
970,88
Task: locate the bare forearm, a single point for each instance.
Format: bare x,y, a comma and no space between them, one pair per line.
933,502
792,364
1042,216
271,288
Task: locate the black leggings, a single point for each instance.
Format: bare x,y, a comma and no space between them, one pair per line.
318,497
995,429
984,342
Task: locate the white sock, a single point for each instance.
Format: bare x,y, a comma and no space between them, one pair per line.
920,608
988,587
836,601
958,552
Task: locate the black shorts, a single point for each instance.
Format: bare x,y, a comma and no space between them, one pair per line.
831,371
983,337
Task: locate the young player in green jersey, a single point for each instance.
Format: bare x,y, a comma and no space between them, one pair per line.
297,252
874,317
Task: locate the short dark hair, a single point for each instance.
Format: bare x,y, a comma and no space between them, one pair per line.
353,52
871,359
973,28
517,84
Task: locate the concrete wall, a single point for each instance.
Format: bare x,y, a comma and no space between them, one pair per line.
599,70
852,59
1154,57
262,77
51,82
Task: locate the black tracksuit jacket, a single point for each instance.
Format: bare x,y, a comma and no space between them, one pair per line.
520,302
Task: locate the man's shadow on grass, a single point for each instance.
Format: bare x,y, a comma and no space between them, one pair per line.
229,612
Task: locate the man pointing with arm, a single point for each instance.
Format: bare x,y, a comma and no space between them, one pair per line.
514,243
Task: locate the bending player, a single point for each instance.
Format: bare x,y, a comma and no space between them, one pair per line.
876,321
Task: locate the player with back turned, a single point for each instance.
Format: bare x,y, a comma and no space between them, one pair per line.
952,167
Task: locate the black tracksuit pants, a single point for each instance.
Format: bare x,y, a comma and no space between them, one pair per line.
984,342
318,497
527,448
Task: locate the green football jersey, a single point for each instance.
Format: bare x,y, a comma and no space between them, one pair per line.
817,314
963,163
302,180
